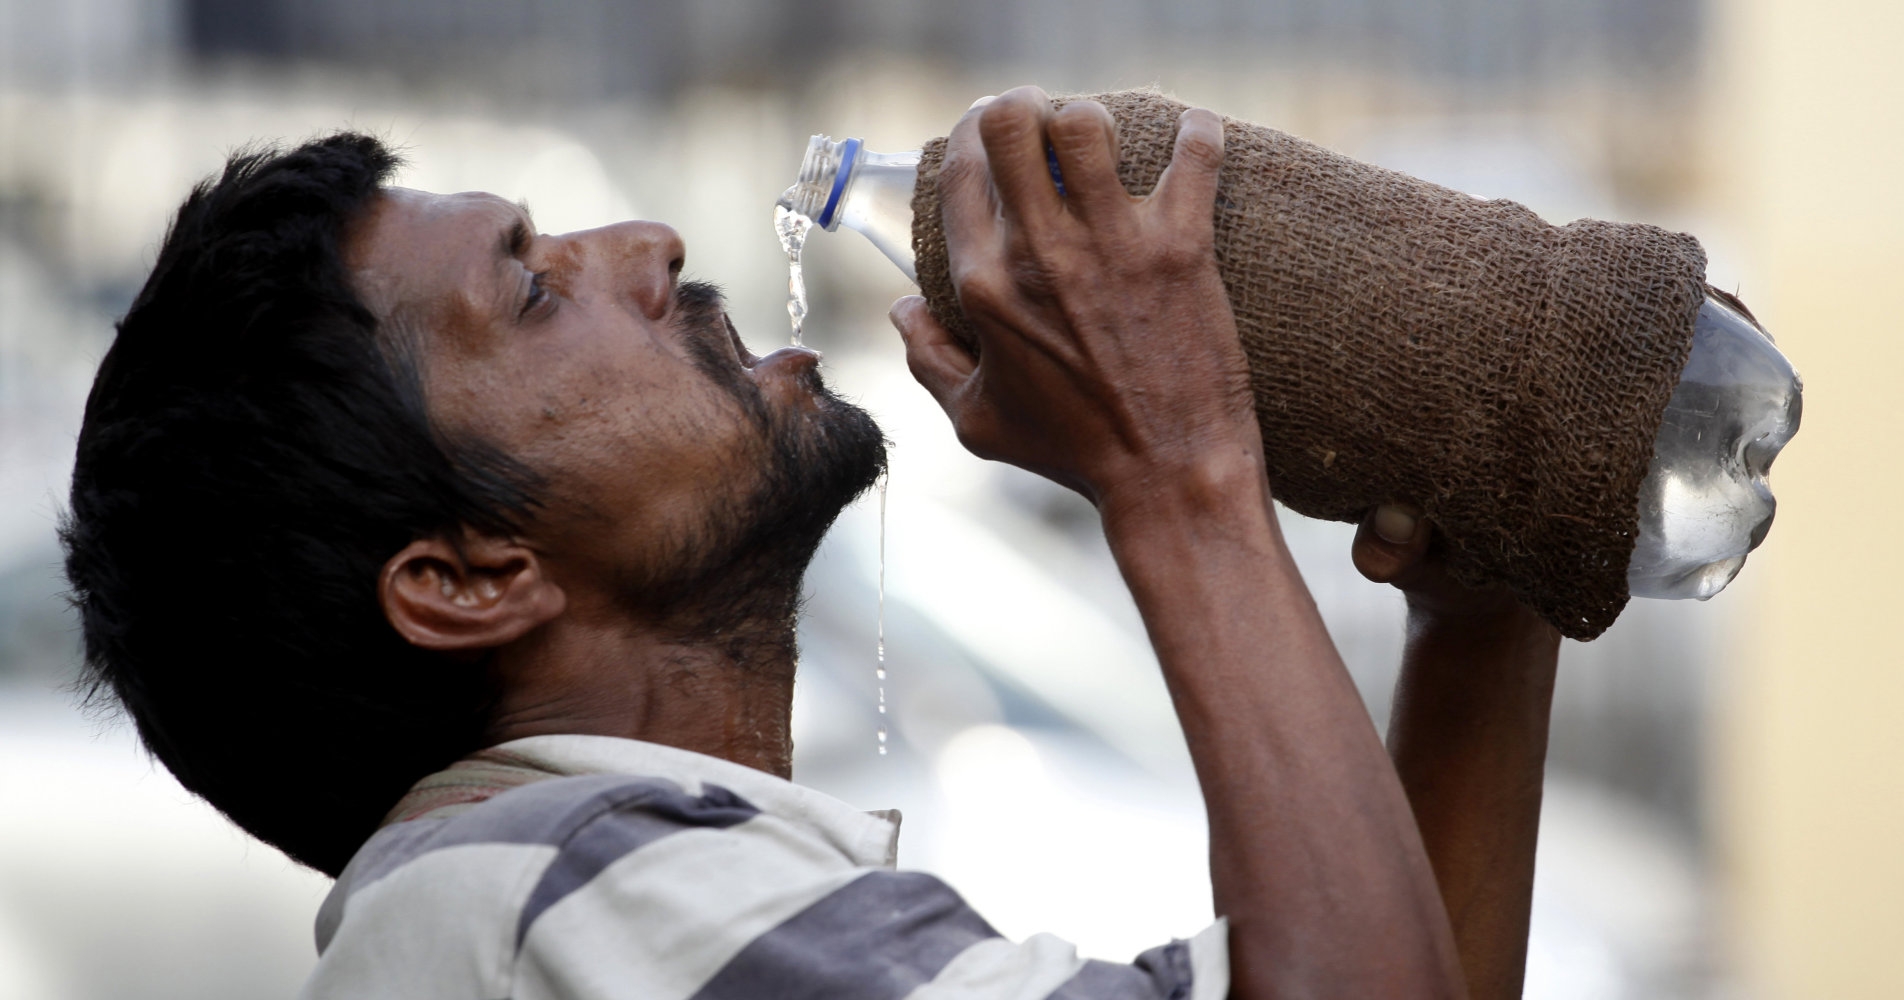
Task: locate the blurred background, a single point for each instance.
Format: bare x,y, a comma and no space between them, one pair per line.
1726,796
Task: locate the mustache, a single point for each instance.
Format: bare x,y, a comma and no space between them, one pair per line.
701,317
698,300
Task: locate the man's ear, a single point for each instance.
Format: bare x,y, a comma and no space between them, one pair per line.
483,593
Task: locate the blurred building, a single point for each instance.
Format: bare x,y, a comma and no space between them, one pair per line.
1811,756
1631,60
655,47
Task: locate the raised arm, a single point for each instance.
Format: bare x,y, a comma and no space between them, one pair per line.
1468,734
1109,362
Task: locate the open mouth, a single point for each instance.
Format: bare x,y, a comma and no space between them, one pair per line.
742,356
757,365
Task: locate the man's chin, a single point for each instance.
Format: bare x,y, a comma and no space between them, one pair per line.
828,459
822,456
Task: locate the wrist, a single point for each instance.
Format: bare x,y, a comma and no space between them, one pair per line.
1216,483
1491,610
1507,632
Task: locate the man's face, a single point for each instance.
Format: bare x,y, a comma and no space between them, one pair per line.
678,466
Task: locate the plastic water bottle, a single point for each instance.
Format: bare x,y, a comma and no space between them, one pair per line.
1706,501
845,184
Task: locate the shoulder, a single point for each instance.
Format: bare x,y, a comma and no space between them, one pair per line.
608,887
450,899
538,820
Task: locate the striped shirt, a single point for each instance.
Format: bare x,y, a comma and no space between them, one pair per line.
590,868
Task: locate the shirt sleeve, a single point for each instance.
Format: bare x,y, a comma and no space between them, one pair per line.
878,936
754,912
909,936
1047,967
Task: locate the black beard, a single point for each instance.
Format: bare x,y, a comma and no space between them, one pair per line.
739,581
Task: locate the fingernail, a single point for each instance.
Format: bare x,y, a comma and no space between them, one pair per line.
1395,524
981,102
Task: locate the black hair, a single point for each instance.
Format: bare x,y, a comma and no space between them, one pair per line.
254,450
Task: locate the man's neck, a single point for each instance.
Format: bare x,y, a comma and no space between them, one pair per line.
728,694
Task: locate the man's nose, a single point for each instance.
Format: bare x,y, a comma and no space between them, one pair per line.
645,258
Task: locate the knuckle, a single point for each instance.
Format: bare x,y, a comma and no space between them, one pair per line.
977,106
1202,118
1004,117
1037,269
1015,111
965,130
961,168
1029,94
1080,123
1196,148
981,289
1067,137
1179,257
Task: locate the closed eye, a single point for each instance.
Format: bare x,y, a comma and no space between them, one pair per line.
537,293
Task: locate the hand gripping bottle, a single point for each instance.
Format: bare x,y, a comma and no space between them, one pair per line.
1704,502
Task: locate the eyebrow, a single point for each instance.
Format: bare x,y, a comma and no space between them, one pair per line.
515,240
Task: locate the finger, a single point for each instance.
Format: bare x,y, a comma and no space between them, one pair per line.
968,208
1084,137
1397,524
937,360
1187,188
1391,540
1013,130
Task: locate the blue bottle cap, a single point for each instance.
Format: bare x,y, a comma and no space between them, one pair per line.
849,152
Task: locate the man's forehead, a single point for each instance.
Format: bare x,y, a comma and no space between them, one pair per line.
411,247
396,212
431,205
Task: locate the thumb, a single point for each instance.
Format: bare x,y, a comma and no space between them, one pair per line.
936,358
1390,541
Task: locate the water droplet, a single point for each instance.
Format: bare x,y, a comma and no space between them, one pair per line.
879,664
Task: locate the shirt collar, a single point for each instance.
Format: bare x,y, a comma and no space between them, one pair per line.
869,839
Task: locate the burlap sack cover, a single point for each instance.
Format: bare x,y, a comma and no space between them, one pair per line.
1412,343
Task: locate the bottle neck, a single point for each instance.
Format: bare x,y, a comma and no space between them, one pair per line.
824,175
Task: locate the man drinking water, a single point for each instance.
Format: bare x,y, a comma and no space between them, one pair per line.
462,562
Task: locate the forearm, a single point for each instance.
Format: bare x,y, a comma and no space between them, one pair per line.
1109,362
1314,857
1468,735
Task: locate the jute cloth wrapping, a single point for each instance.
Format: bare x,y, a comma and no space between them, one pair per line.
1410,343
